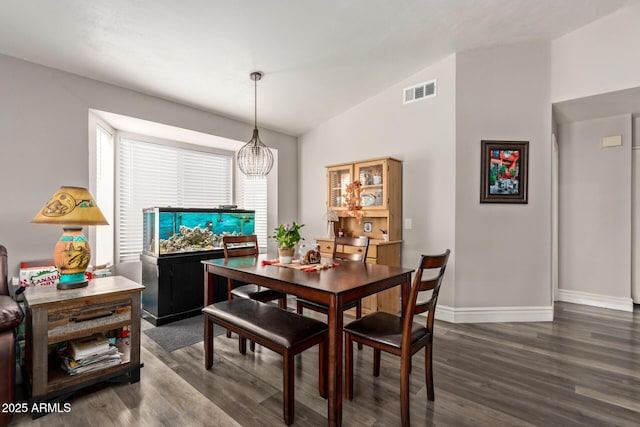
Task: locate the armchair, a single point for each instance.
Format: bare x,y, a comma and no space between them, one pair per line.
11,316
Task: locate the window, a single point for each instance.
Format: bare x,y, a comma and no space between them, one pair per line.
104,195
253,195
154,174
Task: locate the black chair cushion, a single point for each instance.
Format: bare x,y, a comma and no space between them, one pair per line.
258,293
323,308
284,328
385,328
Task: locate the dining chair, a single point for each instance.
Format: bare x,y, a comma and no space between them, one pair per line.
344,249
237,246
400,335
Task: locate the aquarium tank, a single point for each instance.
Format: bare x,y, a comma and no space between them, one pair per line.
179,230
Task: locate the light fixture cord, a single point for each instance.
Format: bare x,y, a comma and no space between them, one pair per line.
255,103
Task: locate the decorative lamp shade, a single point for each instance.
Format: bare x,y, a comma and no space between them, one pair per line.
72,207
331,217
255,159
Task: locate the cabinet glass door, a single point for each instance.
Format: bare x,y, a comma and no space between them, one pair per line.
373,177
337,180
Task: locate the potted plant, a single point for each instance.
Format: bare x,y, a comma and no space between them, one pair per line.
287,237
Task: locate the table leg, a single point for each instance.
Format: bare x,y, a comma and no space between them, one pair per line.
335,361
208,343
208,287
39,353
405,292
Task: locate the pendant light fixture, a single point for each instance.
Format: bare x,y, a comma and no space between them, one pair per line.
255,159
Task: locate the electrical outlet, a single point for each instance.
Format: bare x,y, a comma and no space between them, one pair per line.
408,224
15,281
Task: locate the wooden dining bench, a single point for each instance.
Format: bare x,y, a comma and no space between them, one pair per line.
284,332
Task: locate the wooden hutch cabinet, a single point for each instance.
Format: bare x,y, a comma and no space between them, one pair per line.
381,205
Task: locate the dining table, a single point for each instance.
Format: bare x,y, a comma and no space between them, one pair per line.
333,283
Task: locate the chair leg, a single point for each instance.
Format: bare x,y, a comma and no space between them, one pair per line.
229,287
282,303
323,367
242,345
348,366
405,370
299,308
428,368
376,362
288,387
358,316
208,342
252,346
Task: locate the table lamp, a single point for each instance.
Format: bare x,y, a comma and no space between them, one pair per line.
331,217
72,207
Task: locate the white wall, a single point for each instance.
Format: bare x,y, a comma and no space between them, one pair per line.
597,58
43,144
595,210
421,134
503,250
635,212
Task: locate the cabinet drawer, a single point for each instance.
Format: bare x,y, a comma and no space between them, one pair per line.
326,248
351,249
373,251
64,322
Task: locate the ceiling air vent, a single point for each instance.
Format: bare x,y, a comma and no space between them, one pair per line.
420,92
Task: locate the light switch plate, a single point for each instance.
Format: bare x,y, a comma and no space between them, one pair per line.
407,224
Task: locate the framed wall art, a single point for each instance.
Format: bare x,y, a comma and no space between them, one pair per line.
504,172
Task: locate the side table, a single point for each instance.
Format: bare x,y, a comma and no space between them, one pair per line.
54,316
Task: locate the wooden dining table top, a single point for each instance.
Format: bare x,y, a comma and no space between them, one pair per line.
344,279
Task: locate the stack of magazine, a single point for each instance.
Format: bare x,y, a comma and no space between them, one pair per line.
89,354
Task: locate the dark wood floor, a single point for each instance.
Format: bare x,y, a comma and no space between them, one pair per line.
582,369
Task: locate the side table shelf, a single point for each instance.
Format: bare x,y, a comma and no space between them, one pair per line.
54,316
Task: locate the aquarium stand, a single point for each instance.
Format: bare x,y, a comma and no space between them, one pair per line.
173,286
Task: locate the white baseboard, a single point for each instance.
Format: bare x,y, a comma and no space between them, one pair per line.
603,301
494,314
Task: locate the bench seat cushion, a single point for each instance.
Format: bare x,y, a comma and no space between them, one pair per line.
284,328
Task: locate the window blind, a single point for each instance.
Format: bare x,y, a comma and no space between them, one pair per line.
152,175
253,195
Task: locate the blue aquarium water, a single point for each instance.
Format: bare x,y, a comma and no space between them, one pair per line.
188,230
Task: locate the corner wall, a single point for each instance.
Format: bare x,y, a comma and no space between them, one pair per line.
595,213
503,260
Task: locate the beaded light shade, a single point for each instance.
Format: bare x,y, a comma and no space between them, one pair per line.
255,159
72,207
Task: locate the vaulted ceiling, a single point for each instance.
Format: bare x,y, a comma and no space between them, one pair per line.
319,57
